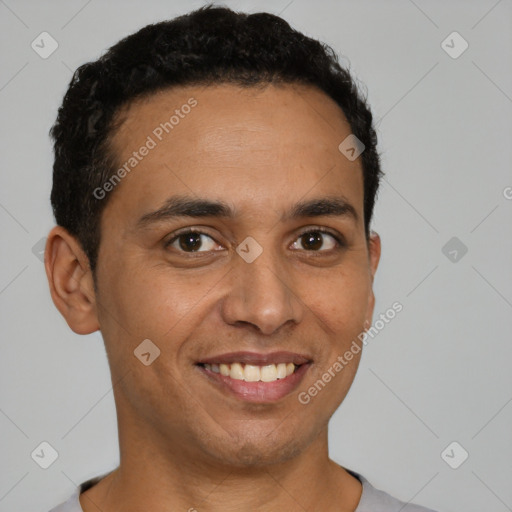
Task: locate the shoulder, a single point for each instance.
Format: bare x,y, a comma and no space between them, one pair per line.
373,499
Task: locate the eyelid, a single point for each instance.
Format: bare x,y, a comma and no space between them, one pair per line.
321,229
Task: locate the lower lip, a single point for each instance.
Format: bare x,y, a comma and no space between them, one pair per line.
258,392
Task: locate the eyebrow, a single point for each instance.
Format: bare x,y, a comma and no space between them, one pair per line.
184,206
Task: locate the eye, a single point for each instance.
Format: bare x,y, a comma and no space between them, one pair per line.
192,241
314,239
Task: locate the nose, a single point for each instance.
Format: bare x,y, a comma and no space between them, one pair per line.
261,294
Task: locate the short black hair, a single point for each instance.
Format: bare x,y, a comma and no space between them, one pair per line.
208,46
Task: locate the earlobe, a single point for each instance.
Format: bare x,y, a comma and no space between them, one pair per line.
70,280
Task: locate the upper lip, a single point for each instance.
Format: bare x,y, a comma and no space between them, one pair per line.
257,358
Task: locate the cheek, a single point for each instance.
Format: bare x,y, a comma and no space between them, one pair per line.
340,301
151,306
149,302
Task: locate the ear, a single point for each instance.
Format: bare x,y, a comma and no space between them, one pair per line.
374,248
71,282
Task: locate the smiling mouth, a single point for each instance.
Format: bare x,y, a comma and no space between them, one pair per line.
253,377
252,373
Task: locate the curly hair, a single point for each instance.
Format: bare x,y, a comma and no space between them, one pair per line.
210,45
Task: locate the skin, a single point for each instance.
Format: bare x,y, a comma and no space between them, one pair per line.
185,444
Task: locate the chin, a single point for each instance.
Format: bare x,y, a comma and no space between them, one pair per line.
251,454
247,449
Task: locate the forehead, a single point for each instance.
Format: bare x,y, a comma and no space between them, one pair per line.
259,144
223,110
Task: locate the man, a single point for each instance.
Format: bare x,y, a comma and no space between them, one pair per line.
214,183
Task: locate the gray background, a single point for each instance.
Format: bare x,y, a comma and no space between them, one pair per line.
439,372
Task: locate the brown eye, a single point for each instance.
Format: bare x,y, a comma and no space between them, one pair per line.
314,240
192,241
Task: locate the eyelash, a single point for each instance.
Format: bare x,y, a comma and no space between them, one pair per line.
340,241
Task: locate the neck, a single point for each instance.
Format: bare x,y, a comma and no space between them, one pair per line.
158,472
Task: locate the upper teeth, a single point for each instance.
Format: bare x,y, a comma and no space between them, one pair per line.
253,373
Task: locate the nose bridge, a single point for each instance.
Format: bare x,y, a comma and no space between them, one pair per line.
261,292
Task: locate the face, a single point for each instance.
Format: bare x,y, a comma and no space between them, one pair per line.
257,274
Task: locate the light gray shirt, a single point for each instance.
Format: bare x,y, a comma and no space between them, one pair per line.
372,500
